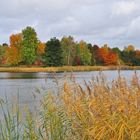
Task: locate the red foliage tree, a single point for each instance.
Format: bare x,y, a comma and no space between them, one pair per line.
106,57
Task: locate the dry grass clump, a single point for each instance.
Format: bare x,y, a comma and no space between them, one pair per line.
53,69
66,68
103,111
96,111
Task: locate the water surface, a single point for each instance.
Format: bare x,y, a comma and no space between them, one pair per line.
31,86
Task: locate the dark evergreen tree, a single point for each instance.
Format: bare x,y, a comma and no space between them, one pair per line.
53,53
93,50
128,57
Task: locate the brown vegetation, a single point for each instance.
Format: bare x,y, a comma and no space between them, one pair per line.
67,68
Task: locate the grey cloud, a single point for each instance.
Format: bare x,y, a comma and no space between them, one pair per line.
96,21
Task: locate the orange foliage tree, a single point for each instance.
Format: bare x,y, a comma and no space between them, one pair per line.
111,59
40,53
106,57
14,51
102,54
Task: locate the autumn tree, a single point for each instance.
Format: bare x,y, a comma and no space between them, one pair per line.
53,53
111,59
118,52
129,48
30,43
41,48
128,54
106,56
68,47
83,55
102,53
25,48
12,55
14,51
3,54
40,53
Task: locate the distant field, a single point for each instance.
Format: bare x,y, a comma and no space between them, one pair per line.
66,68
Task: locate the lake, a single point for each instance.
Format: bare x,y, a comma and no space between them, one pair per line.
31,86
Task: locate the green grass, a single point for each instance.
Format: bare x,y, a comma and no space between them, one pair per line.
99,111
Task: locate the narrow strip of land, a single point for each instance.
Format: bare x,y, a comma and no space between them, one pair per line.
67,68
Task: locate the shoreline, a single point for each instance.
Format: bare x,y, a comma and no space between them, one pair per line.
66,69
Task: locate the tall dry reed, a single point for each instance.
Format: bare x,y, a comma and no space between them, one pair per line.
97,110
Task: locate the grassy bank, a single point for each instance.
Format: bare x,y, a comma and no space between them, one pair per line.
100,111
66,68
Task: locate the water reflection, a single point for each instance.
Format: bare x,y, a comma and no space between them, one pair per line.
20,75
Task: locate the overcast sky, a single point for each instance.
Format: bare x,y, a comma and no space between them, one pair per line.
116,22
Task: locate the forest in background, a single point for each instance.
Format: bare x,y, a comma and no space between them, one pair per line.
26,49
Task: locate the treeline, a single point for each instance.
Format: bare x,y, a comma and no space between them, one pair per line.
26,49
